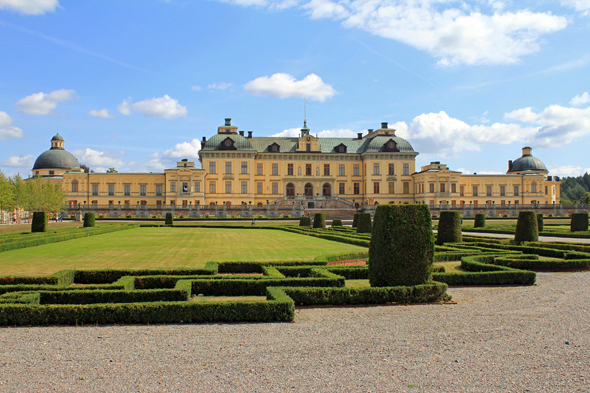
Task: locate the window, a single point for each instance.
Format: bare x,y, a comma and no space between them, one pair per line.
431,187
158,190
289,169
341,170
142,190
307,169
212,187
75,186
502,190
391,187
275,169
462,191
546,190
391,169
534,187
475,203
356,188
275,188
228,187
475,191
308,147
212,167
406,187
376,187
244,168
197,186
111,189
244,187
516,191
127,189
173,187
406,169
228,168
453,187
326,169
355,170
376,168
259,169
51,173
259,188
443,187
488,190
341,188
184,202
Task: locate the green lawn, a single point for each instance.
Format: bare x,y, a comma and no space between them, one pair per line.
167,248
17,228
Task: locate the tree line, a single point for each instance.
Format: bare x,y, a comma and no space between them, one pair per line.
576,189
33,194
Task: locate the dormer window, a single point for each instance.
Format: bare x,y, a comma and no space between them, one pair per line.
227,144
275,148
341,148
391,146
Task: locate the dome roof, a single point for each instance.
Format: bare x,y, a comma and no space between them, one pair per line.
57,138
527,163
377,144
56,158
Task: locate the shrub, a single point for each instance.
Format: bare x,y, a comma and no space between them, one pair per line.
355,220
401,251
319,220
169,219
480,221
526,227
540,222
39,223
579,222
364,223
449,228
89,220
336,223
304,222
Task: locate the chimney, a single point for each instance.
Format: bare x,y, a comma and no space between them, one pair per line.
370,130
527,151
509,165
204,139
359,135
249,134
384,125
242,133
228,121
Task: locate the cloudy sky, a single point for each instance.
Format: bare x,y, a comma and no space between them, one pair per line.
136,84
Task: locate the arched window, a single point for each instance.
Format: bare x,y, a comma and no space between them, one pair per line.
327,190
75,186
259,204
308,189
290,189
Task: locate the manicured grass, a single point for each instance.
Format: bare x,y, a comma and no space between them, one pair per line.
225,298
155,248
548,229
357,284
451,267
18,228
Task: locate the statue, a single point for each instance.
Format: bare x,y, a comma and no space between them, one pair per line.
317,170
299,171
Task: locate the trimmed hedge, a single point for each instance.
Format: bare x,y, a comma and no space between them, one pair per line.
40,223
108,276
89,220
480,221
402,246
319,220
305,222
113,296
579,222
526,227
481,272
169,219
449,228
540,223
336,222
355,220
536,264
364,224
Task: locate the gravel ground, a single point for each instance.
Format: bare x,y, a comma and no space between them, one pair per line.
510,339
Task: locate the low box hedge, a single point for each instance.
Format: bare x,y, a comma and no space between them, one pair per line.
579,222
336,222
40,222
480,271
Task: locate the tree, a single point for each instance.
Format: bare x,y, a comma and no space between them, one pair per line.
586,199
112,170
6,194
86,168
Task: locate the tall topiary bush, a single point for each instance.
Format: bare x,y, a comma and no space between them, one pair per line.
363,224
449,228
304,222
169,219
355,220
336,222
40,222
402,246
480,220
540,222
579,222
319,220
89,220
526,227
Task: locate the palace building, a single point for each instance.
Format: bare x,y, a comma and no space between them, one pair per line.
240,169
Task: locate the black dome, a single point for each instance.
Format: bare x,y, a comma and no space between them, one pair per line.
527,163
56,158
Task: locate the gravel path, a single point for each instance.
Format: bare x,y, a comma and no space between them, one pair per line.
510,339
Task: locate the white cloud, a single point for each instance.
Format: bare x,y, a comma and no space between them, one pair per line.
41,103
288,133
7,130
99,160
524,114
20,162
568,170
338,133
219,86
196,88
102,113
579,5
285,85
560,125
580,100
30,7
161,107
450,30
184,150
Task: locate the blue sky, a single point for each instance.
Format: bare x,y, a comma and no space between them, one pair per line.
136,84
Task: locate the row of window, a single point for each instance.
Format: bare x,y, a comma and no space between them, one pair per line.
308,169
308,189
475,189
